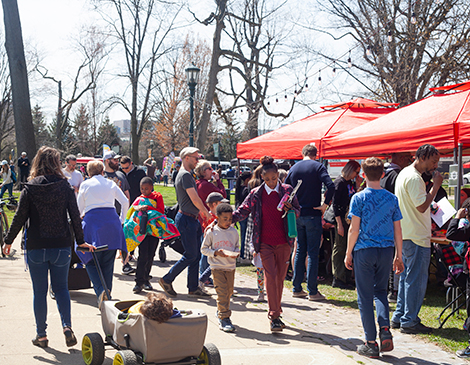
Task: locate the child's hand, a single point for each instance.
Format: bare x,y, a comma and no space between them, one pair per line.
220,253
398,265
348,261
287,206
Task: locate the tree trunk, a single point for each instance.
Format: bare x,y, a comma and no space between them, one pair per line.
212,83
24,129
134,135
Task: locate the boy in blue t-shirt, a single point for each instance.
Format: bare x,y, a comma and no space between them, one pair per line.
374,237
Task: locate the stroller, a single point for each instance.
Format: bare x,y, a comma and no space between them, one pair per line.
140,340
174,243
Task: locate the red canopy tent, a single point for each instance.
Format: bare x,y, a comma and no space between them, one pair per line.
287,142
442,119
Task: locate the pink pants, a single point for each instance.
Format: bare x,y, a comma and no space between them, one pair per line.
275,263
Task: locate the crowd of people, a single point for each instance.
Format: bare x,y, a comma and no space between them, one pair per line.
381,220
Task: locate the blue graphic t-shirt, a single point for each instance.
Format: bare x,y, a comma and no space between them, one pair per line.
378,209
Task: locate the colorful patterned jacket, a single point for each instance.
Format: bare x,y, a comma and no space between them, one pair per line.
252,204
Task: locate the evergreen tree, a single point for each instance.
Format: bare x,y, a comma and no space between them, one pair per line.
41,130
107,134
81,125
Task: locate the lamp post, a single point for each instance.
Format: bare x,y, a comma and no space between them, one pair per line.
192,74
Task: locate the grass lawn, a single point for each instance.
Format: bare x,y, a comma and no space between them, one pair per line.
451,338
169,193
9,213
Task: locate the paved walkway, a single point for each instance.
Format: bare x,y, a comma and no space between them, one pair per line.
317,333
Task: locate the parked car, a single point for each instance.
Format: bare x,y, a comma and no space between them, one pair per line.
466,178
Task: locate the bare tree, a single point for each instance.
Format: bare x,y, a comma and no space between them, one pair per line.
405,47
92,49
170,123
251,29
24,129
141,28
7,124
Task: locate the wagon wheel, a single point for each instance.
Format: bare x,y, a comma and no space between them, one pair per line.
125,357
209,356
93,349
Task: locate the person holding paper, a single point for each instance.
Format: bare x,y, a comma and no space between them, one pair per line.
414,203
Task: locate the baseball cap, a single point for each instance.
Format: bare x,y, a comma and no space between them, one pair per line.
110,154
216,197
4,162
187,151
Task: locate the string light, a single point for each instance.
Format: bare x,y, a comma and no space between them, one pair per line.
389,37
285,97
334,69
319,77
277,100
306,84
349,60
413,18
369,51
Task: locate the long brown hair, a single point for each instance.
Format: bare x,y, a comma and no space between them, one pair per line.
46,162
256,178
5,168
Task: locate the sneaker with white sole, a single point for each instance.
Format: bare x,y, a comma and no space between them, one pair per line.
226,325
199,293
127,269
464,353
276,325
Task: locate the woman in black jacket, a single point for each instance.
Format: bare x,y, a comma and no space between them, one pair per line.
345,188
44,204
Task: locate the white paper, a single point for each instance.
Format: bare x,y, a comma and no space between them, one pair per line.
444,212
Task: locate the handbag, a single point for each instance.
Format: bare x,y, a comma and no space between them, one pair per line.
450,257
329,215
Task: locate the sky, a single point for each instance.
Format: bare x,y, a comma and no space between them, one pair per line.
50,26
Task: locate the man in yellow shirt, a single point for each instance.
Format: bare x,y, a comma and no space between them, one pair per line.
414,204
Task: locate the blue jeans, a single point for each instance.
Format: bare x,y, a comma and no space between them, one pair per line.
372,270
191,235
413,283
309,230
5,187
106,261
40,263
243,225
203,264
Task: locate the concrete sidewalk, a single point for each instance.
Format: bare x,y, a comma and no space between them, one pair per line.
317,333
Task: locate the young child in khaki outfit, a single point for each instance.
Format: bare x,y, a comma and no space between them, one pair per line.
221,248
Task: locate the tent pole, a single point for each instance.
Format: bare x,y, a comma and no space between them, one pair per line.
455,163
459,181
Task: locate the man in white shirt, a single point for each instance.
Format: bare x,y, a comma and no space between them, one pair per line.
74,177
414,203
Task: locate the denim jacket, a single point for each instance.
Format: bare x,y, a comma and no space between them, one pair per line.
252,204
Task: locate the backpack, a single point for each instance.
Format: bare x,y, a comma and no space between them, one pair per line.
13,176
